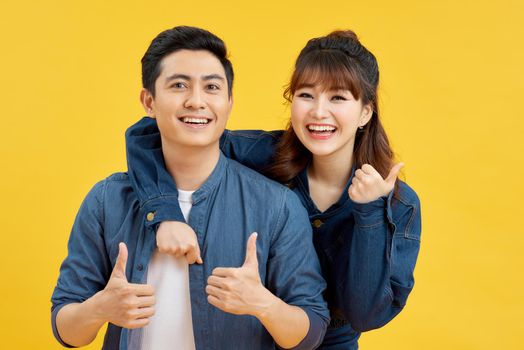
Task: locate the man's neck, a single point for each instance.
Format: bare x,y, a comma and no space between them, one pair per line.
190,166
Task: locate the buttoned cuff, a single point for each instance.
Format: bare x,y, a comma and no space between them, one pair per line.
375,212
54,312
165,208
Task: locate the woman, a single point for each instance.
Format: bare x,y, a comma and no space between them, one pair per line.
336,157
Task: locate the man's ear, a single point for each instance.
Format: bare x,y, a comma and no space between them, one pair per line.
230,105
367,113
148,102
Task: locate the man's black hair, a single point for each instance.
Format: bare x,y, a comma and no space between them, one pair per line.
182,38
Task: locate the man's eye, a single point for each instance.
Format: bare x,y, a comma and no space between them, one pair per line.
178,85
213,87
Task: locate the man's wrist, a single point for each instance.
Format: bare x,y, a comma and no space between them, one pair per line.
94,307
269,307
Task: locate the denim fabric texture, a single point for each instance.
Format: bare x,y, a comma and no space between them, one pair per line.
233,202
367,252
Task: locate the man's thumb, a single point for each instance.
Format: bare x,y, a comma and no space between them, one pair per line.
119,270
251,251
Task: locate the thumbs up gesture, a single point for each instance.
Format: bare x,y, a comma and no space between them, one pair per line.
239,290
122,303
368,185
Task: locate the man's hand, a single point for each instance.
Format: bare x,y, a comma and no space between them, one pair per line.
178,239
122,303
368,185
239,290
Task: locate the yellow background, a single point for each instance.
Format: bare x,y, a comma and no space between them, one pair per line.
451,97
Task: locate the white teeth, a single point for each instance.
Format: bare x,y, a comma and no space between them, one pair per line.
321,128
195,120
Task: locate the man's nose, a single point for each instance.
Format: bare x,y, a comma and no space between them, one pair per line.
195,99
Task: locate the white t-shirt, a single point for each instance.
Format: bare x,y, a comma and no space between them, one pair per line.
171,327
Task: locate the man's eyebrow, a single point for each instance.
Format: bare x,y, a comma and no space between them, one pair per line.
188,78
177,76
213,76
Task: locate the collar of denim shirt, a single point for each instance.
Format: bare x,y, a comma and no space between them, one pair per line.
302,186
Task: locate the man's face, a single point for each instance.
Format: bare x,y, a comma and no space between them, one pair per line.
192,103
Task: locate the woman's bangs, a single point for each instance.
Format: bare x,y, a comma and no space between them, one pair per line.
328,69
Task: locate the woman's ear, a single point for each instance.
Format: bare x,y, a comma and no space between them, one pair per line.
367,113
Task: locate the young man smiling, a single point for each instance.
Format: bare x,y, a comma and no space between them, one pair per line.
248,291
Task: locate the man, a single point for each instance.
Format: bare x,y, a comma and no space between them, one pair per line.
248,291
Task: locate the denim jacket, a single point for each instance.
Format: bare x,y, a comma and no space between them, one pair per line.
233,202
367,251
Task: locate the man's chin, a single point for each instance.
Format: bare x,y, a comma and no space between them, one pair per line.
198,143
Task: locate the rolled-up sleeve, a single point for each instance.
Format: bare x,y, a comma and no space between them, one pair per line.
294,271
87,267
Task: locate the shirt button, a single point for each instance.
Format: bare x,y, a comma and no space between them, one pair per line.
140,267
150,216
317,223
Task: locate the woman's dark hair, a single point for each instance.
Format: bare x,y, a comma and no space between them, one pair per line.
182,38
336,61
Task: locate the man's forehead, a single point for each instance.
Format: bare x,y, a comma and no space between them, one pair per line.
192,64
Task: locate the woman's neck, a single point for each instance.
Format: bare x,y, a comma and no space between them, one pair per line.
327,177
331,170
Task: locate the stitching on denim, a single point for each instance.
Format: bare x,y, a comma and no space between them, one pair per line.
371,225
403,200
164,196
408,236
410,221
103,202
251,136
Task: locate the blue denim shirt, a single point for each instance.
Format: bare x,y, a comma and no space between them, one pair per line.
233,202
367,251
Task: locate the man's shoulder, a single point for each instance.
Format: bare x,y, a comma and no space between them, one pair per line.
268,191
116,186
251,176
116,180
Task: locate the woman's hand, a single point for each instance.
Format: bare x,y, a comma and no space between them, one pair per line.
368,185
178,239
239,290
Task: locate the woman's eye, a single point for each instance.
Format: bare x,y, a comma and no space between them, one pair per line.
338,98
305,95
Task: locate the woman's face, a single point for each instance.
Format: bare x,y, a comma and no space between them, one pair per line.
326,121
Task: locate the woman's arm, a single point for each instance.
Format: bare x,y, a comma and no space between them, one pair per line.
377,272
153,183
